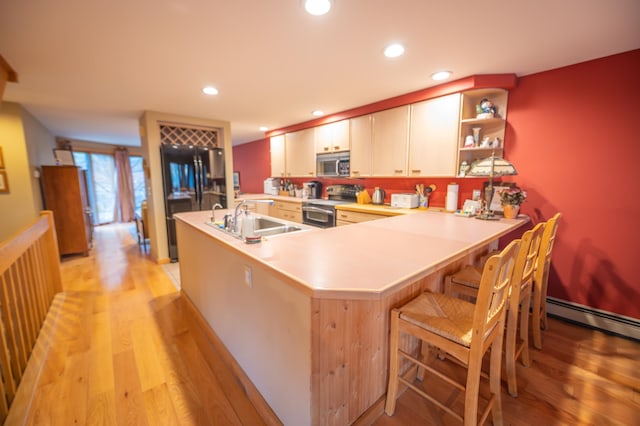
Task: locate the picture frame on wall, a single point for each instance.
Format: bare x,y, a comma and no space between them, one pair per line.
64,157
2,166
4,182
495,204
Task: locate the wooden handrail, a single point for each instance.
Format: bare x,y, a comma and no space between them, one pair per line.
29,279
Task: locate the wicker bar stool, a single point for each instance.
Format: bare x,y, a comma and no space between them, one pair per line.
466,282
463,331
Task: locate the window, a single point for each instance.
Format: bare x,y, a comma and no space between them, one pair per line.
139,192
101,178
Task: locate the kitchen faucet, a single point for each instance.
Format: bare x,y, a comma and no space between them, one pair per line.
234,219
213,211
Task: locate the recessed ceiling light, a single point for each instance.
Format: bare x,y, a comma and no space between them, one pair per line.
394,50
441,75
210,90
317,113
263,128
317,7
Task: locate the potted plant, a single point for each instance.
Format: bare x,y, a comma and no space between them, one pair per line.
511,199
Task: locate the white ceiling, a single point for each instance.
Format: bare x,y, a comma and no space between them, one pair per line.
87,69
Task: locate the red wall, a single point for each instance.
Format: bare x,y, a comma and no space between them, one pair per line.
573,138
253,162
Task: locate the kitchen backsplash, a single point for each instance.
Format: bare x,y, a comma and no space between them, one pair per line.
404,185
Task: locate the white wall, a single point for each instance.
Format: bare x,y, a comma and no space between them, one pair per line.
265,326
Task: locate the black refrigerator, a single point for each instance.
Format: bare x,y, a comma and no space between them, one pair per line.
193,179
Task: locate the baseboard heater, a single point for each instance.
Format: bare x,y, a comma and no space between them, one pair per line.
606,321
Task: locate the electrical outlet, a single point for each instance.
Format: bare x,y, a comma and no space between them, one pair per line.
248,278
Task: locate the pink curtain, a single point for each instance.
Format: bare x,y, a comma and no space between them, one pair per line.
125,204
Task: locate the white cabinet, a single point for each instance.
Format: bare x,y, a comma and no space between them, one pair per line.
300,155
390,140
360,156
332,137
434,136
277,156
487,128
293,155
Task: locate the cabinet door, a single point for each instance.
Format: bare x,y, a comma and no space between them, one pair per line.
390,141
300,153
360,158
332,137
277,156
434,135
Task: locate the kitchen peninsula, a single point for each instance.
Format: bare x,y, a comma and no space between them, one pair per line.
305,314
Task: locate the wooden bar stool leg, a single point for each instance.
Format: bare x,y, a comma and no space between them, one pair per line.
537,335
494,380
524,327
510,350
394,363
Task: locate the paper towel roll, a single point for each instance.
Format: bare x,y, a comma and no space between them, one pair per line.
452,197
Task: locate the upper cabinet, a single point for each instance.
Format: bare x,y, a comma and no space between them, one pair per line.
436,137
332,137
360,157
293,155
433,137
480,132
300,156
277,156
390,140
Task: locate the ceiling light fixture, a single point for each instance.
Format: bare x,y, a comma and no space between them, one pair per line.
394,50
317,113
209,90
441,75
263,128
317,7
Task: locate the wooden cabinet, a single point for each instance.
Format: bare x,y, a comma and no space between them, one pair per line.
332,137
346,217
286,210
293,154
277,156
300,156
6,74
360,156
64,190
487,128
390,139
434,136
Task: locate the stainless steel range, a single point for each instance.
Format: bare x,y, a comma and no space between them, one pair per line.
322,213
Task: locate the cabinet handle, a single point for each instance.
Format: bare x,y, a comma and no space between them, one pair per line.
326,148
337,147
355,172
416,171
398,171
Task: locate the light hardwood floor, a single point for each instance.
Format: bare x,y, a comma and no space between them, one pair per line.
125,352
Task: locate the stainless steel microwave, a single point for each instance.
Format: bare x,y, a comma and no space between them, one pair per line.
335,164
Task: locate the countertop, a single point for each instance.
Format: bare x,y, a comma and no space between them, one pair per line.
382,210
364,260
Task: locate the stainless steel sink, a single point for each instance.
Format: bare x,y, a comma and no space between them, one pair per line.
264,223
277,230
264,227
